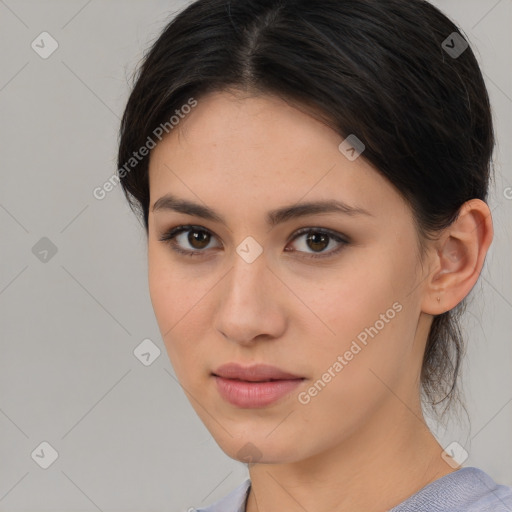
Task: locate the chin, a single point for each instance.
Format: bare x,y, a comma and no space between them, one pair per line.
259,449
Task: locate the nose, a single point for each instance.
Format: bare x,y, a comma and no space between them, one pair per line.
251,303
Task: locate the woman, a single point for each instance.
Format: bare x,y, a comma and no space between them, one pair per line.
312,178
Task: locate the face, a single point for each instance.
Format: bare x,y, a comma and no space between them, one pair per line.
329,296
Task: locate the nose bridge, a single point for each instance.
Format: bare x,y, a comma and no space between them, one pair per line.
249,275
246,309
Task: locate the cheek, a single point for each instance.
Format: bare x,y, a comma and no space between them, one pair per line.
366,316
353,297
170,288
162,290
173,305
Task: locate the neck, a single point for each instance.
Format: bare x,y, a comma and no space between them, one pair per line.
374,469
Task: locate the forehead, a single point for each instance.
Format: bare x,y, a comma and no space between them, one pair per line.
228,122
243,150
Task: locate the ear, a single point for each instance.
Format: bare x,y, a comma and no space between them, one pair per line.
459,257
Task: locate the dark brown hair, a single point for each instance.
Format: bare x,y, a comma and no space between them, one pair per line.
380,69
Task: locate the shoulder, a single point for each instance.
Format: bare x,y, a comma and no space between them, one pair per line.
489,495
468,489
235,501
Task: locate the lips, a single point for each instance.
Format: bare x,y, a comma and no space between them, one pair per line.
255,373
254,386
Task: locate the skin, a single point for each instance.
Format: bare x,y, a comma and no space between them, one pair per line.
361,444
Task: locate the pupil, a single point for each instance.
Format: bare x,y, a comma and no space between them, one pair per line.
313,238
194,238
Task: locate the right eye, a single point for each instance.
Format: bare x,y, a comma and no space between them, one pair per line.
198,238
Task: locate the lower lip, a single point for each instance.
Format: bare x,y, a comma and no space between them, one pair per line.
254,394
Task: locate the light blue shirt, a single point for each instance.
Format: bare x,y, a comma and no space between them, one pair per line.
465,490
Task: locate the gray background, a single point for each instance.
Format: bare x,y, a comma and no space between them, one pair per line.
126,436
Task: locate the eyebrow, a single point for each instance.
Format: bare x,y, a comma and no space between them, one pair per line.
273,217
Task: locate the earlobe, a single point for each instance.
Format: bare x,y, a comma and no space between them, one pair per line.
460,256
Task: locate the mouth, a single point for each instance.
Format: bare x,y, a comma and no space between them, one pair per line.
254,373
255,386
254,381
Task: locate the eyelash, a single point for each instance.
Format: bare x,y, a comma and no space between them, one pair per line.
169,236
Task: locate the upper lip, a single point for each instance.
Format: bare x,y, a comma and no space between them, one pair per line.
254,373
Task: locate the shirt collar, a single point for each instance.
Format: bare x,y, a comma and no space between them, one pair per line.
235,501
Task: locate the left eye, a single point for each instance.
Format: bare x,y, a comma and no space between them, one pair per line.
199,238
318,239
